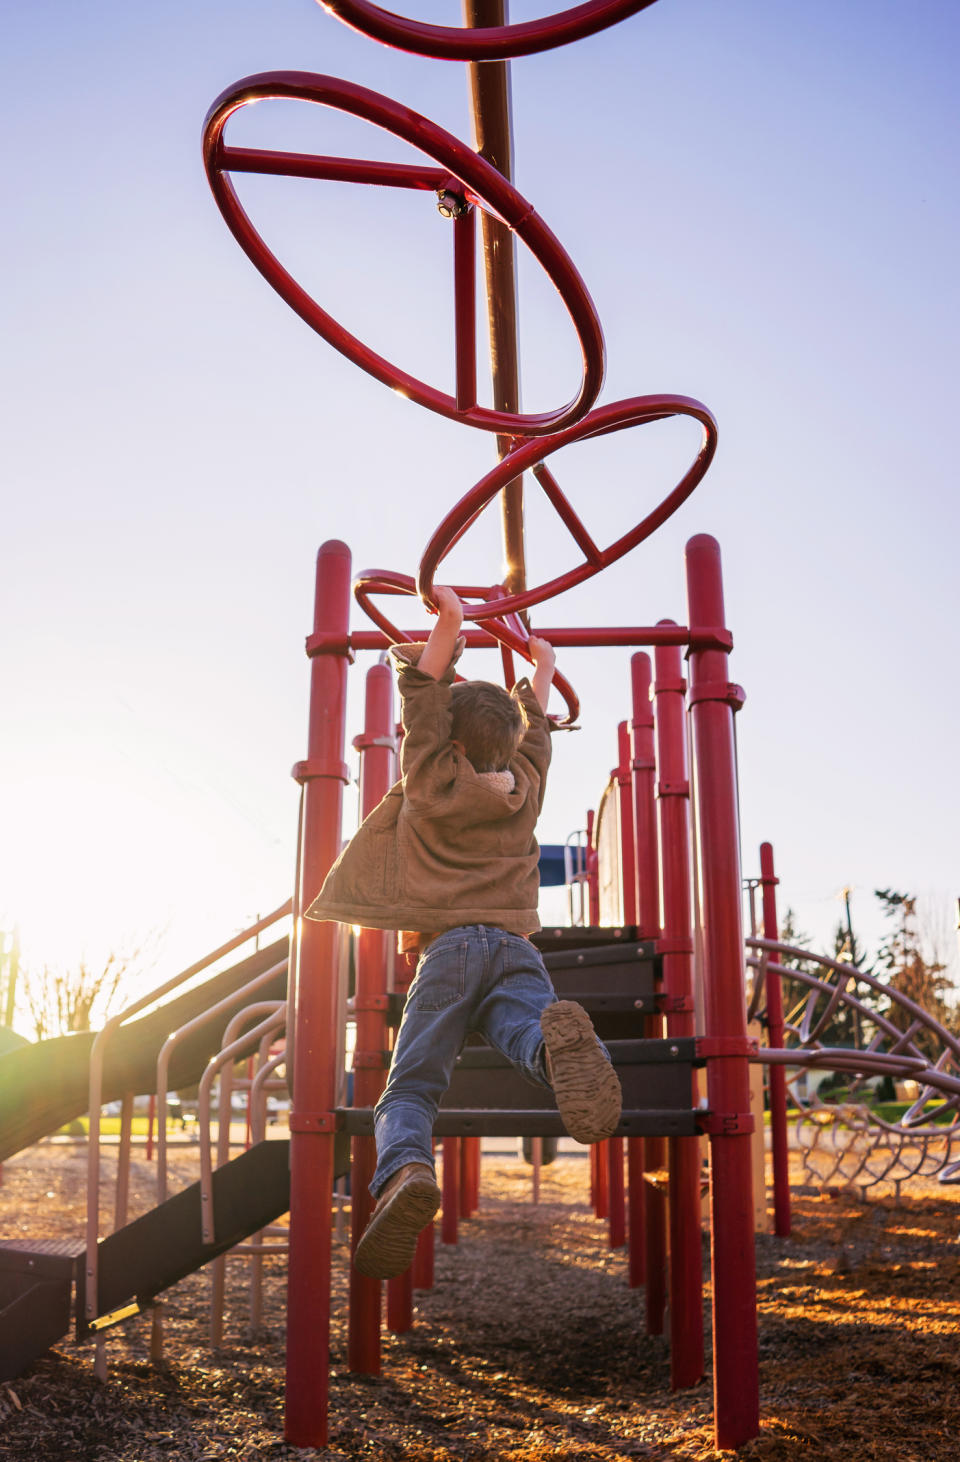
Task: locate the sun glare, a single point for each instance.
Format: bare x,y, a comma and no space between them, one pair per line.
90,868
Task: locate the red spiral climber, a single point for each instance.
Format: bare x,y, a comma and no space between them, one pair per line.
472,184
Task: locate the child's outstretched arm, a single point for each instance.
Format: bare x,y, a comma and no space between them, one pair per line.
544,659
438,651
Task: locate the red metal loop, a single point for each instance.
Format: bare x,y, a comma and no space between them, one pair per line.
508,632
482,43
637,411
484,186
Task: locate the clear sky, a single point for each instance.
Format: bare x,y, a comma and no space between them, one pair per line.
763,201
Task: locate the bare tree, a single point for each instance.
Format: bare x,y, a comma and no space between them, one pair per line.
60,1001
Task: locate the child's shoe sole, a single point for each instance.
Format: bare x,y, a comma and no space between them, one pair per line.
389,1241
586,1087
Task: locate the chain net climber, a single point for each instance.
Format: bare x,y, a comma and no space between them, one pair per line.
846,1142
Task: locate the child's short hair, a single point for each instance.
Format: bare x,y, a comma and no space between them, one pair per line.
488,722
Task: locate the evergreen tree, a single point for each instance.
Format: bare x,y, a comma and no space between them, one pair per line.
902,960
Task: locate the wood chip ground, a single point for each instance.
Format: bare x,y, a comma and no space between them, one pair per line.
531,1345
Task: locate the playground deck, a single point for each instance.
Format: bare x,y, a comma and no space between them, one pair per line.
857,1342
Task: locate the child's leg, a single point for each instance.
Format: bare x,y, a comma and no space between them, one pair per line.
517,991
551,1041
435,1021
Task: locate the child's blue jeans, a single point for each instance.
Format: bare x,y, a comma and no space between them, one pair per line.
473,978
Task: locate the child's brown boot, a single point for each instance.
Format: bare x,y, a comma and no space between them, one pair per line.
406,1205
584,1083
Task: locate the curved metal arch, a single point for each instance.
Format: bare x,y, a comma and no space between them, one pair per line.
482,43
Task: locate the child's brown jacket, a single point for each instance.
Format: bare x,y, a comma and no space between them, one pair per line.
444,847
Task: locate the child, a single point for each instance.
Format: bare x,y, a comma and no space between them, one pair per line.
450,853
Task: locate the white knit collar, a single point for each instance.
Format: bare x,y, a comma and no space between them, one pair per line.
503,782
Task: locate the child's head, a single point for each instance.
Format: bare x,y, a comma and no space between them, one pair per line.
488,723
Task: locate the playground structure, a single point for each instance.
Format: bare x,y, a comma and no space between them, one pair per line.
663,978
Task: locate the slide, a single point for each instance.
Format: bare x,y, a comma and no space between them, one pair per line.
44,1084
138,1262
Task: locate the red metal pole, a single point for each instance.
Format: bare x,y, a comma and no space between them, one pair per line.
776,1074
712,700
314,966
673,795
645,841
423,1259
451,1189
370,1058
465,1209
616,1196
593,873
475,1149
602,1195
400,1302
628,851
465,305
642,772
636,1213
618,1212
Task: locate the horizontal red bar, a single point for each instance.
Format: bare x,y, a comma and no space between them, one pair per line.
330,169
565,638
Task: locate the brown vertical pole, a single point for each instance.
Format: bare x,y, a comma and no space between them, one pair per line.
725,1046
673,795
314,974
490,105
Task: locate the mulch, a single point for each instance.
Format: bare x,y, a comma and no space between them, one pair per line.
530,1346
